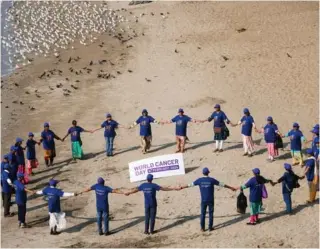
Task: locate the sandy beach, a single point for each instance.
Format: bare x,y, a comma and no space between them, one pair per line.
182,54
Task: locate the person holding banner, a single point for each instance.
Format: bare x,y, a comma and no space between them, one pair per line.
181,121
145,130
150,201
206,186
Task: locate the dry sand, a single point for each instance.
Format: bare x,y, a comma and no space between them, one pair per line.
272,68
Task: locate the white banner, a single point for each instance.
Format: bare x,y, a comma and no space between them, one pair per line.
159,166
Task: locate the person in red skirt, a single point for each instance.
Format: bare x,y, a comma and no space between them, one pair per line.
32,161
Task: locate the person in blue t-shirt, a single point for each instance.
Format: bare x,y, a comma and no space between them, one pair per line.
247,123
12,157
315,141
181,121
145,130
54,194
312,174
20,155
49,147
149,190
109,127
206,185
256,186
289,182
21,199
102,203
6,187
32,161
5,161
296,139
220,129
76,142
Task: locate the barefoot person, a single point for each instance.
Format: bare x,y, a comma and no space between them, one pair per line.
102,204
145,130
221,132
32,161
150,202
247,123
255,184
206,185
181,121
76,142
54,194
312,175
47,140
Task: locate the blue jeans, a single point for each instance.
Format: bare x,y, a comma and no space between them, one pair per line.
109,145
105,215
150,217
204,206
287,200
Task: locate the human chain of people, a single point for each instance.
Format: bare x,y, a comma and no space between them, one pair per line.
15,173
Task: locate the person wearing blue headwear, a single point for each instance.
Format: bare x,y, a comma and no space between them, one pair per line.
221,132
181,121
102,203
312,175
149,190
47,140
20,155
256,186
206,185
247,123
145,130
289,182
296,139
54,194
32,161
6,187
21,199
12,157
109,126
315,141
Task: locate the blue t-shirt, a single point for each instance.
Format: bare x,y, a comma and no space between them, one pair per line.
247,122
255,189
75,131
14,165
206,186
21,194
295,139
310,163
6,188
2,167
53,195
149,190
110,127
219,119
145,127
288,180
31,149
315,146
181,124
102,193
270,135
20,156
48,140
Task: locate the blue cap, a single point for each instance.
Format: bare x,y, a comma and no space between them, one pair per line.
149,177
217,106
6,156
108,115
46,124
19,139
20,175
315,130
245,110
180,110
287,166
269,118
256,171
295,125
30,134
144,111
205,171
100,180
309,151
12,148
316,126
53,182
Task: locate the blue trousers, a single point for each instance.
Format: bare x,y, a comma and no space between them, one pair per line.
204,206
109,145
150,218
287,200
105,216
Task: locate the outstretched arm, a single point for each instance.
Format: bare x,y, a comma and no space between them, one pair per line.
132,191
169,188
117,191
85,191
56,137
65,136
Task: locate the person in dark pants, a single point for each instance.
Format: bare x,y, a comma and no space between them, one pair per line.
102,203
6,182
206,185
150,202
21,199
12,156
